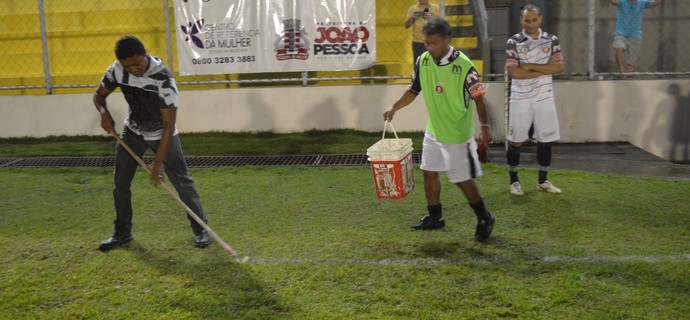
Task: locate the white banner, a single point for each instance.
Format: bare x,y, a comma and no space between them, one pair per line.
249,36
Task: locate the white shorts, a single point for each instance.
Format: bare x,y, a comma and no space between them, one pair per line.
630,45
459,161
541,114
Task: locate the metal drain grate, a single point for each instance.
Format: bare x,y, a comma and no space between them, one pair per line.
201,161
62,162
7,161
238,161
343,159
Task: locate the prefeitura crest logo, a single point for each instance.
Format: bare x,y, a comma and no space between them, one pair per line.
292,43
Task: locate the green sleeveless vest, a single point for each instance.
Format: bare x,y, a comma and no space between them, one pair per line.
447,100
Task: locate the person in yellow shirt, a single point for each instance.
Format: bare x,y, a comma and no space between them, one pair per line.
417,16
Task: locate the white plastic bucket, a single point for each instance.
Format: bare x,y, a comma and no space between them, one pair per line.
392,166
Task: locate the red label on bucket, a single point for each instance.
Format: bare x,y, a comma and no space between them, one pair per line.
393,179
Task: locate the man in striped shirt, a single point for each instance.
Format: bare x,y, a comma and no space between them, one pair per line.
532,57
152,95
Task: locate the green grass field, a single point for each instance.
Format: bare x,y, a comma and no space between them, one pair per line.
323,247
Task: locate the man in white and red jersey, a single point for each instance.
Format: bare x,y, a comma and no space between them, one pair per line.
532,57
449,83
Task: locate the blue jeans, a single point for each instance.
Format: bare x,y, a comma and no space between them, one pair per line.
175,169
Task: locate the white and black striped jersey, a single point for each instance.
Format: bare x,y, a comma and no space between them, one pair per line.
521,49
146,95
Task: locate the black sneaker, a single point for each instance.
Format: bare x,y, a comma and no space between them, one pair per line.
202,239
114,242
484,227
429,224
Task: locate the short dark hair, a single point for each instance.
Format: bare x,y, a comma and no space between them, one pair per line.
128,46
438,26
530,7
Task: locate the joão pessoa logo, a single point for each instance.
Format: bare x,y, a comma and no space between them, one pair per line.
336,40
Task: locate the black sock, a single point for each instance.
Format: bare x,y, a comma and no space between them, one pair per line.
543,172
513,175
544,154
435,211
544,160
479,209
513,158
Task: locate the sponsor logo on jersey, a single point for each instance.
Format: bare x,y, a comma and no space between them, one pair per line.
457,69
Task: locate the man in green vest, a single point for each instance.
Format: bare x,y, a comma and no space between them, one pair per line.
449,83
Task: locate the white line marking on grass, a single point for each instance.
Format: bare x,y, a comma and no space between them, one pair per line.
617,259
489,260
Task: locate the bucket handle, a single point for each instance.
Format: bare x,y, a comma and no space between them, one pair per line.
385,125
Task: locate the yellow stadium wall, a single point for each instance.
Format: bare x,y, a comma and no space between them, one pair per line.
81,35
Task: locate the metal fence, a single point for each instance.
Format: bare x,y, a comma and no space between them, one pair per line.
586,30
52,46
